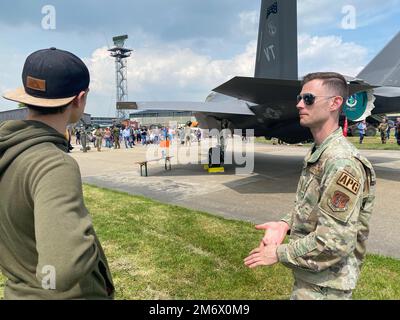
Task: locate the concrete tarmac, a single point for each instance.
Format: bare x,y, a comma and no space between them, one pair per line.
264,195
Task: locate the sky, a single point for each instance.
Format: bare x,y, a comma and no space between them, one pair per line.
182,49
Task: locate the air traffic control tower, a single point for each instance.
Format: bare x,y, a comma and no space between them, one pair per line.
120,53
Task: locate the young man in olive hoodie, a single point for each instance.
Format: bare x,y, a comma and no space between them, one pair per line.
48,247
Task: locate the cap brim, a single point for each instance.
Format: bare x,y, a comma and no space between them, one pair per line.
19,95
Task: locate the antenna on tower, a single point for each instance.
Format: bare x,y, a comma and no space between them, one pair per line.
120,53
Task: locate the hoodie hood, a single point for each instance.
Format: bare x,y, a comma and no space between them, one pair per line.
18,136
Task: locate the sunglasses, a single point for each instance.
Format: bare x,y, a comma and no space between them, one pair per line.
309,98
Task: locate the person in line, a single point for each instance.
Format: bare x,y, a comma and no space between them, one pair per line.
144,136
99,134
188,136
132,136
107,138
383,127
77,137
397,130
115,134
362,127
126,133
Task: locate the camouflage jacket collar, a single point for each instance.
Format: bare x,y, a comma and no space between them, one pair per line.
319,150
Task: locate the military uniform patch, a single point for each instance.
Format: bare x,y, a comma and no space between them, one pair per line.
348,182
339,201
340,196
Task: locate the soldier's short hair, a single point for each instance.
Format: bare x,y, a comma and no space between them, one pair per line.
45,110
333,80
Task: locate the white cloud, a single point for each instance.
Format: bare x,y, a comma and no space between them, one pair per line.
156,73
330,53
10,77
169,73
248,23
102,72
316,13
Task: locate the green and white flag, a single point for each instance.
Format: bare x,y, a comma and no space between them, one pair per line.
359,106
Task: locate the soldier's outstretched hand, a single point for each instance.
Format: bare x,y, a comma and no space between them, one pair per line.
275,232
262,256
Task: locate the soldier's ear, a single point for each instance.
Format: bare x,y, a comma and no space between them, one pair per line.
337,103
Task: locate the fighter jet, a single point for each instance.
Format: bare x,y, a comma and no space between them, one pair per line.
266,102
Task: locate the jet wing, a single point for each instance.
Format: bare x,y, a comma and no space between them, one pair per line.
232,107
260,90
263,91
246,90
387,100
384,69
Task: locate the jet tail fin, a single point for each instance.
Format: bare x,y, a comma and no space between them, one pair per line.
384,69
277,40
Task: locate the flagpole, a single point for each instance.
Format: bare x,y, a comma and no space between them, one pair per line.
345,127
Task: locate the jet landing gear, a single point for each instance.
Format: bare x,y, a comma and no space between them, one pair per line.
216,155
215,160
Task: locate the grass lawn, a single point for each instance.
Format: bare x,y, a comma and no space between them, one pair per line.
375,143
159,251
369,143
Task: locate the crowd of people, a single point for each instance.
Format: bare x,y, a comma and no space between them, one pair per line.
384,128
114,136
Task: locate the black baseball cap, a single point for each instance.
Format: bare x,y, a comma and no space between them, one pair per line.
51,78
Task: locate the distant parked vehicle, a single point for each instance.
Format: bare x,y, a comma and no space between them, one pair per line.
354,131
372,126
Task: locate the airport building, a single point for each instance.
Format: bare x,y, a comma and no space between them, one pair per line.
21,114
162,117
15,114
103,121
143,118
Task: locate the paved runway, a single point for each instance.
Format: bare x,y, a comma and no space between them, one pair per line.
265,195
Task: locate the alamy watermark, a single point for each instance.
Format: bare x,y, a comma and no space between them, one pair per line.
49,20
224,147
49,277
349,21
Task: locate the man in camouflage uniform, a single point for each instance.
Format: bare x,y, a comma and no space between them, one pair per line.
84,139
383,128
397,130
99,138
116,133
329,224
